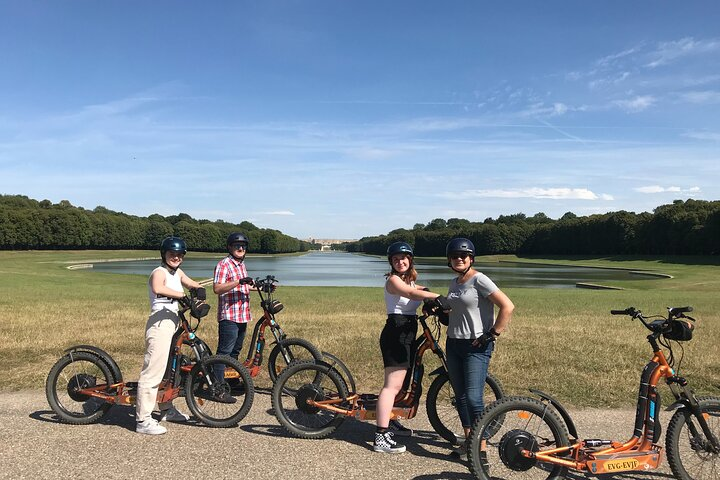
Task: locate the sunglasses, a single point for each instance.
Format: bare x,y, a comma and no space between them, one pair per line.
458,256
238,246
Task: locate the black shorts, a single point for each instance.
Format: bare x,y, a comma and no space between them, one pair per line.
396,340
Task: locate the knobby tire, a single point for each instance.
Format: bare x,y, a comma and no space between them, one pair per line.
302,381
691,457
499,424
78,370
202,396
442,411
296,349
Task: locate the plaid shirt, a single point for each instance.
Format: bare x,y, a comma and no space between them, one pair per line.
235,304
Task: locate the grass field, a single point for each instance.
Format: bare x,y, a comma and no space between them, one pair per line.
561,341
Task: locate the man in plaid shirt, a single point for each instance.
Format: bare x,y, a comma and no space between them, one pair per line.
233,311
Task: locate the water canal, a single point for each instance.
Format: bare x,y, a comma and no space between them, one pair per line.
347,269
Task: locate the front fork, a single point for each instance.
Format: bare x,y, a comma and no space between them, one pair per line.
685,398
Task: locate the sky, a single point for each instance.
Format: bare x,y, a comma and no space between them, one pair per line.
344,119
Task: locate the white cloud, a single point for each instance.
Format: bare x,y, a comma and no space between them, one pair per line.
611,80
712,136
371,153
692,81
611,59
659,189
534,192
637,104
702,97
559,109
650,189
667,52
278,212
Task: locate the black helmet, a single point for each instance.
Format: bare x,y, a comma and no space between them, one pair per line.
172,244
460,245
399,247
237,237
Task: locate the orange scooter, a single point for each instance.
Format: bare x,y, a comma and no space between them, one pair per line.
311,399
85,382
525,437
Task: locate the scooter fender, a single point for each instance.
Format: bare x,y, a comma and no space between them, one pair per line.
676,405
103,355
560,409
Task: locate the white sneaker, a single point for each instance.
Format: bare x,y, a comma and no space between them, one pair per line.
172,414
150,426
384,443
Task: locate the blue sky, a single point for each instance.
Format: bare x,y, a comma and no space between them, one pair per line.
340,119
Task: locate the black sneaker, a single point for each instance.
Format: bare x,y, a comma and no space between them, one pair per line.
399,429
237,386
224,397
460,451
384,443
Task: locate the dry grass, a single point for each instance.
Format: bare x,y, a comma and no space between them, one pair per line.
560,341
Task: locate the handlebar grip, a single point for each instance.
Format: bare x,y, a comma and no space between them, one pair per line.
678,312
246,280
619,312
199,293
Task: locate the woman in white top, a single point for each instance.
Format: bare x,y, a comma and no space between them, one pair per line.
165,286
402,298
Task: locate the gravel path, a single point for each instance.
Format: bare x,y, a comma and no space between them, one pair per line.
34,445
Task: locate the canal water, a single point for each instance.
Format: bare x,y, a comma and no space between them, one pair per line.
348,269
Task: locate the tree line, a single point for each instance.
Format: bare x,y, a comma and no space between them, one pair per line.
689,227
31,224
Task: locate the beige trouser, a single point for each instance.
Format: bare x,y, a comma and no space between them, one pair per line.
158,336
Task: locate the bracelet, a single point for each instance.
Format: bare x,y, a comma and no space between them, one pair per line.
493,332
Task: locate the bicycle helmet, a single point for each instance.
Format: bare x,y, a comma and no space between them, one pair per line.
460,245
237,237
172,244
399,247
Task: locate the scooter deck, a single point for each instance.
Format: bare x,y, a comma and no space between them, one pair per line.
368,406
625,461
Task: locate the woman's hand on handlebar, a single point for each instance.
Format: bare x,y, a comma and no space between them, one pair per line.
435,306
198,293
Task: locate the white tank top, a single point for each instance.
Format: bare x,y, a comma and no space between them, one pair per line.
172,282
400,305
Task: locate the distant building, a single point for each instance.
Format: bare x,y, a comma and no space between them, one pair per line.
326,243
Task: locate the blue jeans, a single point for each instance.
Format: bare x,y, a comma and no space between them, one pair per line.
230,341
467,369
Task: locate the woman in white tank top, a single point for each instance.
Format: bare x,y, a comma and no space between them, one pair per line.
402,298
165,286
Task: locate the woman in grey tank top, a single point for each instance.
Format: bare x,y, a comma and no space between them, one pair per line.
472,330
